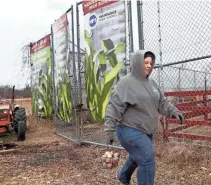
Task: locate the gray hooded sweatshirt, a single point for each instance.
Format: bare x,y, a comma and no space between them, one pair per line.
136,101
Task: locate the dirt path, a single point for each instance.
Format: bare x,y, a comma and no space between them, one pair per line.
45,158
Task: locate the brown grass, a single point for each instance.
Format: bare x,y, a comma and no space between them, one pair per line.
46,158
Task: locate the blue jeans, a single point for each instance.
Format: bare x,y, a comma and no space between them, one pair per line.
141,155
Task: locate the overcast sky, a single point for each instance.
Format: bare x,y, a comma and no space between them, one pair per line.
24,21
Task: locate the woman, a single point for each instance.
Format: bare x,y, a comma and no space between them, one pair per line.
132,112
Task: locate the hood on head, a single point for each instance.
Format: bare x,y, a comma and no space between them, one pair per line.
137,63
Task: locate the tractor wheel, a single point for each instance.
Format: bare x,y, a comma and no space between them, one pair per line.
21,130
20,115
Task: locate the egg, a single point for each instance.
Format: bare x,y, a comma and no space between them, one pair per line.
109,156
107,152
108,160
116,154
109,165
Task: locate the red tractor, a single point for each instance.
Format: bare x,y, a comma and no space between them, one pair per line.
12,118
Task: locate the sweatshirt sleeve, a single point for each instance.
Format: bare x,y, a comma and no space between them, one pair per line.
115,110
166,108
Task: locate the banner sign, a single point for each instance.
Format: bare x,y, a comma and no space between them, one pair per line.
105,38
41,77
91,6
62,68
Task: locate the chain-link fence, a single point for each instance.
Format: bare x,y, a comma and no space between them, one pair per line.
65,87
178,33
83,127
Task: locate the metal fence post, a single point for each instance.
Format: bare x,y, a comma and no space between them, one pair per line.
130,23
160,49
76,109
53,77
140,24
127,40
29,63
73,52
79,120
161,80
78,52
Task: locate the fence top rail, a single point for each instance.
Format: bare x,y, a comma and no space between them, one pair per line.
78,3
188,93
20,99
187,103
191,122
195,108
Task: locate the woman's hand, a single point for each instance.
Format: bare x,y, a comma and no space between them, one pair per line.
179,116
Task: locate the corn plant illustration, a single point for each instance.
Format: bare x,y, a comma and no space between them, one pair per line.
45,89
63,97
34,104
99,81
34,93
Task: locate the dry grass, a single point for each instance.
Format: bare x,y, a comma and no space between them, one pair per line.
46,158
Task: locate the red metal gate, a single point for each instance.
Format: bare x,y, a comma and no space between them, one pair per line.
195,108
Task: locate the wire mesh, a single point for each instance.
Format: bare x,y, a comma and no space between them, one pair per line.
65,80
178,33
90,130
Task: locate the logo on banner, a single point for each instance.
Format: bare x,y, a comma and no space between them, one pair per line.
93,21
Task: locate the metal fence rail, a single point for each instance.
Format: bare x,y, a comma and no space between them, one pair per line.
178,32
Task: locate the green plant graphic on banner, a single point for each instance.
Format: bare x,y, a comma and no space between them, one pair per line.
98,91
105,39
63,100
62,69
42,82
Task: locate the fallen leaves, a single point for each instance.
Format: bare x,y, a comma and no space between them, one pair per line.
45,158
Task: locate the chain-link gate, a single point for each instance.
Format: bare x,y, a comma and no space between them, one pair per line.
178,32
90,130
65,88
80,126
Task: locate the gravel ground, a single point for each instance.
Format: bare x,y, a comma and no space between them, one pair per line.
45,158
